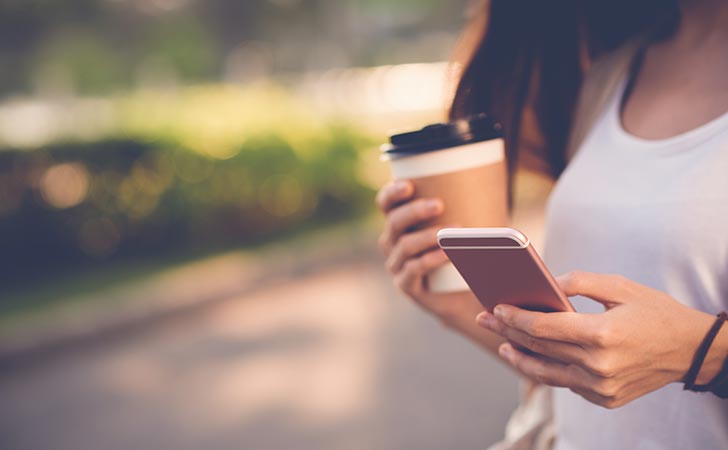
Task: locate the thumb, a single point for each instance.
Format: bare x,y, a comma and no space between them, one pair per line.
609,290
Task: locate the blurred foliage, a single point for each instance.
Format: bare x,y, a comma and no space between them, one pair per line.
132,148
104,45
183,46
199,169
78,60
214,119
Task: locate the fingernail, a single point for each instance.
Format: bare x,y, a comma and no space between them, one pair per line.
505,351
485,320
401,187
499,312
433,206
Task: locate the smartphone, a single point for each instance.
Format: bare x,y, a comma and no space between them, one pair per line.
501,266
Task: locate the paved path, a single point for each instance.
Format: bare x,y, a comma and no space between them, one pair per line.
335,360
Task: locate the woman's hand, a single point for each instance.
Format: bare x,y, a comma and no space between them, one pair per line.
412,254
644,340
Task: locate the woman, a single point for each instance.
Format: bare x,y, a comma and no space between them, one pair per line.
626,105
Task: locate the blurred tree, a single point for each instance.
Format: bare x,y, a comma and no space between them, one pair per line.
27,25
79,61
184,45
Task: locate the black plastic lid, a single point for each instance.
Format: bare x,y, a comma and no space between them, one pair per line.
444,135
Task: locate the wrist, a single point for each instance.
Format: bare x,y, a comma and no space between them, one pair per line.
688,337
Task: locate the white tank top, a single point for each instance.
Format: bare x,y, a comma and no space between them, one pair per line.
655,211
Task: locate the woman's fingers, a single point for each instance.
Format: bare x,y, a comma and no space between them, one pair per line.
406,216
411,278
548,372
557,350
557,326
393,194
607,402
411,245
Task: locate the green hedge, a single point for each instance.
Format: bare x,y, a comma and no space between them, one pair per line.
70,206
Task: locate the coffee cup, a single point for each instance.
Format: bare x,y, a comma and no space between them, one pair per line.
463,164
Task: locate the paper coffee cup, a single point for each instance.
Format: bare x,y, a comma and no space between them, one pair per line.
462,163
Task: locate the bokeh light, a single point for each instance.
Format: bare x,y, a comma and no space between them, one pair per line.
64,185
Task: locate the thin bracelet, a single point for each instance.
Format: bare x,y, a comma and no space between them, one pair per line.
719,385
700,355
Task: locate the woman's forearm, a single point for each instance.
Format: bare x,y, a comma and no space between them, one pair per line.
465,325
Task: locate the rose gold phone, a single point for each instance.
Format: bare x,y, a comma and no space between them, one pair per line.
501,266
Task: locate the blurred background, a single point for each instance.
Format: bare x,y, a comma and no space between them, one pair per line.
187,229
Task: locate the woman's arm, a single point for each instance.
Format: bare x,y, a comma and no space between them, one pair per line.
644,341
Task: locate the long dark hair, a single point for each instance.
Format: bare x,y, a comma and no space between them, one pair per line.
534,53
